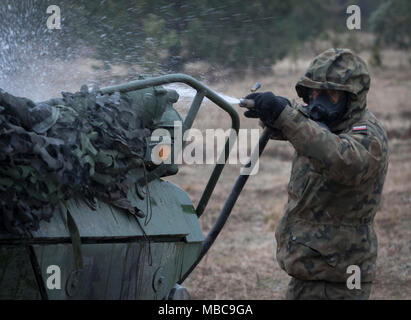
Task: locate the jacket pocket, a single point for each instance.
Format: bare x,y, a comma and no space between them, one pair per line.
309,252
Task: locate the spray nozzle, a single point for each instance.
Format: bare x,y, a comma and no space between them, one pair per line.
248,103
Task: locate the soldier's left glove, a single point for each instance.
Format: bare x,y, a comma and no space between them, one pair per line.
267,106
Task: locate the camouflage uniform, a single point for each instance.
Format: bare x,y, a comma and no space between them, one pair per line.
335,187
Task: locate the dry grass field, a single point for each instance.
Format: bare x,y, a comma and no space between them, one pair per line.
241,264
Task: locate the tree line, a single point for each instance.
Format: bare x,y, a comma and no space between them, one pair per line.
163,35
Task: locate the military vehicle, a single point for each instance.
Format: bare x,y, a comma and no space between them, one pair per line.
102,252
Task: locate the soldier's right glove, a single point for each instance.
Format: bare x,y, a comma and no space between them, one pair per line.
267,107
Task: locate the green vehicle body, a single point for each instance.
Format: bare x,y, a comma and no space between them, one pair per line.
107,253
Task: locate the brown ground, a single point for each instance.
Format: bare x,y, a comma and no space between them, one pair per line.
241,264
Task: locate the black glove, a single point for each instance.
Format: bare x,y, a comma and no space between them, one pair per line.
267,106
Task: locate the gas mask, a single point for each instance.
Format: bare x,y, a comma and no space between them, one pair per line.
324,110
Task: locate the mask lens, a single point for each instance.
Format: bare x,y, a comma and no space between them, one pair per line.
334,95
327,106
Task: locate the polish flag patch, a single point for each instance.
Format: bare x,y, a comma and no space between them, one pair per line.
359,128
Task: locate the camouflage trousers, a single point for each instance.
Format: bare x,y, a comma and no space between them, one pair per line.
323,290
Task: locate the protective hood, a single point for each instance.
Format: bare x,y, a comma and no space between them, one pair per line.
339,69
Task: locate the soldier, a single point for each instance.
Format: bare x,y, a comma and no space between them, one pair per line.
337,177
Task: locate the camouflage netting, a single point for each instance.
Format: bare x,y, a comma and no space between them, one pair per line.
85,143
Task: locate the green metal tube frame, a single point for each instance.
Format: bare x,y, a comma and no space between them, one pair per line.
202,91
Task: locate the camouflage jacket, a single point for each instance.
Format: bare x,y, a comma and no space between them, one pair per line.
336,179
